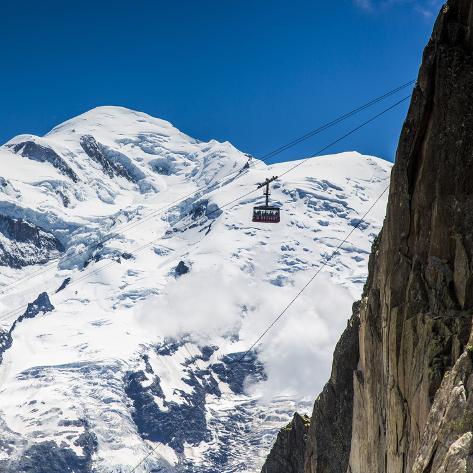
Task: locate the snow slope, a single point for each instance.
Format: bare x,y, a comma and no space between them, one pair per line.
131,352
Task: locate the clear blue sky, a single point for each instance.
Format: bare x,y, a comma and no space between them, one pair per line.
255,72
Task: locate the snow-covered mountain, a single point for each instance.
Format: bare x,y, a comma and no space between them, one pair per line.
139,303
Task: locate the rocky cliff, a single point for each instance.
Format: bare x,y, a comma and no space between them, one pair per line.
411,410
288,452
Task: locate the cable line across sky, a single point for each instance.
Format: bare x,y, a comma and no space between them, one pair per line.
206,189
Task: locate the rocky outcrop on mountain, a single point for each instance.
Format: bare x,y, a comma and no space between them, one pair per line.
47,457
288,452
23,243
113,162
31,150
447,445
181,269
186,424
413,386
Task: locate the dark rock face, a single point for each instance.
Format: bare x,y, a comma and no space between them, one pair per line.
328,449
41,304
92,149
184,420
112,162
288,452
36,152
177,423
236,371
63,285
208,351
47,457
446,445
24,244
416,318
5,342
411,406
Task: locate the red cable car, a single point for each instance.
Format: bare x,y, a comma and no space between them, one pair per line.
266,213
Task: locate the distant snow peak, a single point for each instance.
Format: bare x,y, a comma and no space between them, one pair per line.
154,282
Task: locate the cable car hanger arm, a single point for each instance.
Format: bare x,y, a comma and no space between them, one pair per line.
267,182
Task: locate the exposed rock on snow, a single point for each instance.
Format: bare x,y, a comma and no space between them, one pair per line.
48,457
25,244
37,152
113,162
181,269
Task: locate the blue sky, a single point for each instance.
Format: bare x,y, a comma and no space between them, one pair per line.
255,72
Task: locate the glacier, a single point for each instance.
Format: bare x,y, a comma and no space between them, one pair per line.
133,279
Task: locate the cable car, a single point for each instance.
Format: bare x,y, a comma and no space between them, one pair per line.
266,213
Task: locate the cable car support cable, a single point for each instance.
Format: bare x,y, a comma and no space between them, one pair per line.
154,213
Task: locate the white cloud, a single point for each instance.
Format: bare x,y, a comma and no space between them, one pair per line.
296,353
202,303
426,8
364,4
